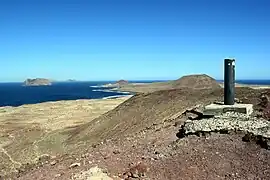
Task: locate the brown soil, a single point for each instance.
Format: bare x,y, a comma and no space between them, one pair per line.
143,129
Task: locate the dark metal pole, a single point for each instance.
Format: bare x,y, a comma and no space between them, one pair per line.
229,81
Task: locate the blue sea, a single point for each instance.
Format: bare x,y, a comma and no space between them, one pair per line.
15,94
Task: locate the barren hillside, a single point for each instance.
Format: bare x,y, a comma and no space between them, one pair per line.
143,110
138,140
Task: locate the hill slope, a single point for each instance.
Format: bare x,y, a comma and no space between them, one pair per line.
197,81
144,110
144,128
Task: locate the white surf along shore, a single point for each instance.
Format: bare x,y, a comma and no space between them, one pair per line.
110,90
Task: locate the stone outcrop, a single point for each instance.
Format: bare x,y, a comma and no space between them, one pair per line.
230,122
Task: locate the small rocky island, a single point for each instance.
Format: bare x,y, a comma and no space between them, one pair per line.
118,84
122,82
37,82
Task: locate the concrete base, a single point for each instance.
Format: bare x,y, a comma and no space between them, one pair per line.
217,109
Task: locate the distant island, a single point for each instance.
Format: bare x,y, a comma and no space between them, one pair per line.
122,82
71,80
118,84
37,82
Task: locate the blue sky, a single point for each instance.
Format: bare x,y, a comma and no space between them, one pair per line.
132,39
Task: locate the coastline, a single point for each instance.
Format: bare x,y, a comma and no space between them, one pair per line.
253,86
120,97
115,89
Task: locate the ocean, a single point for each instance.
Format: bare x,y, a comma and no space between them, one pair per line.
15,94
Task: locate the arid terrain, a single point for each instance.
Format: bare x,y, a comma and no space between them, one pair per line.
28,131
147,136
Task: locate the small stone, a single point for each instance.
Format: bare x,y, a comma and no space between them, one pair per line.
106,156
44,157
116,152
53,163
143,157
94,146
135,175
124,176
83,155
129,174
58,175
161,155
75,165
53,157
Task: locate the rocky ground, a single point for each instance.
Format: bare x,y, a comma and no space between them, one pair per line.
157,153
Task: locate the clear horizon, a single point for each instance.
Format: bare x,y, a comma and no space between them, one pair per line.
134,40
134,80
